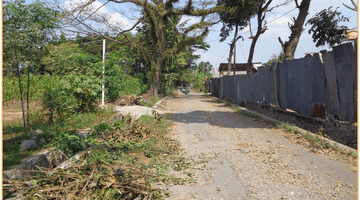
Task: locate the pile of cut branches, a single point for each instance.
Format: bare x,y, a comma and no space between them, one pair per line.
107,170
89,180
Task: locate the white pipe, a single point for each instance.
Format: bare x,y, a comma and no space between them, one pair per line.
103,86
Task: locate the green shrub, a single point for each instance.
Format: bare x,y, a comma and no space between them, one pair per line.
72,93
57,101
85,89
198,79
119,84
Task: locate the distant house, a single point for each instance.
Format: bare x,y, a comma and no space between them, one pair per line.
185,84
240,68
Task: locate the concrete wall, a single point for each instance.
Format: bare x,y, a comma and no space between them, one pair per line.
345,60
307,85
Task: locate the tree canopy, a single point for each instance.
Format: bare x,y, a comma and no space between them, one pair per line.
326,29
155,47
27,29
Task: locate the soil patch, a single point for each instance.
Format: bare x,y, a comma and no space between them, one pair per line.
341,132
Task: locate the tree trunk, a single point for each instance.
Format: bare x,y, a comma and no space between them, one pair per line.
296,30
260,30
231,53
21,98
160,58
27,99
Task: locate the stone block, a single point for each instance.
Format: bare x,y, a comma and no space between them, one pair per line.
27,144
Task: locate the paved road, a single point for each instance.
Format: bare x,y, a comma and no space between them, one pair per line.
251,159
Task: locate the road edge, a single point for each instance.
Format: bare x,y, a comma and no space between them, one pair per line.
302,131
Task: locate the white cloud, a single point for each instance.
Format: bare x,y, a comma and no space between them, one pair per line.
98,13
190,20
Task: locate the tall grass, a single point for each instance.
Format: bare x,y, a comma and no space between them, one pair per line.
38,83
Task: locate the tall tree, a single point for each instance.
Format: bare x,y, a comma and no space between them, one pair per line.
289,47
155,15
235,15
262,8
27,28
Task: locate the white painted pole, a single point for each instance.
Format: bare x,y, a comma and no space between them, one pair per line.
103,86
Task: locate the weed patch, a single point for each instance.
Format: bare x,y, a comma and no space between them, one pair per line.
152,101
62,133
314,142
249,114
122,161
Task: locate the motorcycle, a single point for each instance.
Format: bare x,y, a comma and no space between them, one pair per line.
185,90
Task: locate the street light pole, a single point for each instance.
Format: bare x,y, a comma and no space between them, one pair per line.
103,73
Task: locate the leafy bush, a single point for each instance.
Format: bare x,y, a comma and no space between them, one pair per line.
85,89
198,79
57,101
72,93
119,84
71,143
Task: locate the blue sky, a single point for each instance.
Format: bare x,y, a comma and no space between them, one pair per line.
267,44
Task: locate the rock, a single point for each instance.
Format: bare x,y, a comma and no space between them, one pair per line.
15,173
69,163
137,111
27,144
37,132
37,160
42,140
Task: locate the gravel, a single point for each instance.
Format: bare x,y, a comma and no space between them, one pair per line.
250,158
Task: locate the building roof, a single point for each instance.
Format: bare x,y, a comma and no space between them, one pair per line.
239,66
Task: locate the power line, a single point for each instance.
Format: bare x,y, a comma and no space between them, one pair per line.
242,52
222,57
79,44
272,20
254,29
267,22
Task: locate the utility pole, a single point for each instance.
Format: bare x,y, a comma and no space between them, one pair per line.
235,58
103,86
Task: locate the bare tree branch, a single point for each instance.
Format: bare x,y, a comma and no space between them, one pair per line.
355,6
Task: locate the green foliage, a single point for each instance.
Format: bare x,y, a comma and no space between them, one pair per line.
56,133
72,93
198,80
203,67
70,143
236,13
119,84
84,88
325,27
249,114
68,58
274,58
27,29
38,86
58,102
